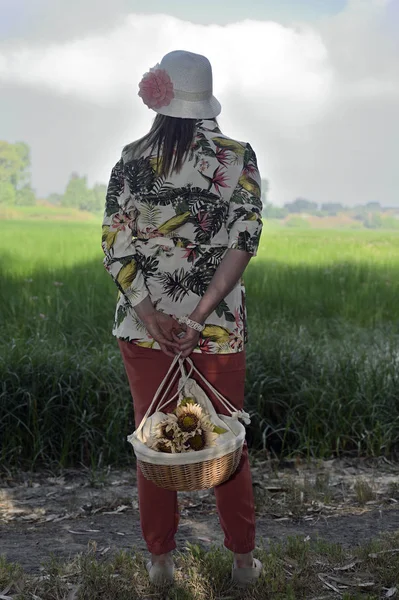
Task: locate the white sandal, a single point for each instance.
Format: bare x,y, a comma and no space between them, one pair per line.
161,574
244,576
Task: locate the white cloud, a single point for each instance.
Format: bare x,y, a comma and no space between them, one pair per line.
313,101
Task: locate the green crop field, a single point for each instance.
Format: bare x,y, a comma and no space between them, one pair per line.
323,358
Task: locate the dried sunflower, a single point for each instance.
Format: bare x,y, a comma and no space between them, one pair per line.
204,438
191,418
164,445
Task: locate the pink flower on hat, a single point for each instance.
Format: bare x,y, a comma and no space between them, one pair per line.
156,88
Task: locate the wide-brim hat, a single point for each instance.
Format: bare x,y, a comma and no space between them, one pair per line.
181,85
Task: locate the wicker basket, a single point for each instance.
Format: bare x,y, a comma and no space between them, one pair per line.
191,470
198,476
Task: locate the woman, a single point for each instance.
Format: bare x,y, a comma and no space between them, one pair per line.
182,220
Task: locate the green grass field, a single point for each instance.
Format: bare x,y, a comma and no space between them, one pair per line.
323,355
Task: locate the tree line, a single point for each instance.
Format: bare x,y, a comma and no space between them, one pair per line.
16,188
371,215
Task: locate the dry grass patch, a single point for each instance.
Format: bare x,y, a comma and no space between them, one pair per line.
364,491
296,569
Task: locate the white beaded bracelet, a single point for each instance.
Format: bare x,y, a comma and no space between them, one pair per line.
192,324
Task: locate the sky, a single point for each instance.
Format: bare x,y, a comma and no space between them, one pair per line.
312,85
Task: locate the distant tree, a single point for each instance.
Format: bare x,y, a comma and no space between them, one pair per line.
373,221
265,189
270,211
14,173
359,216
87,201
25,196
7,193
301,205
11,162
373,206
100,191
22,177
76,193
54,198
332,208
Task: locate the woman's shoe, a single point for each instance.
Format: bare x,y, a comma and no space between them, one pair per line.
161,574
244,576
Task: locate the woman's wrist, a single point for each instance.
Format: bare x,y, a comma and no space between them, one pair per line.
198,316
191,323
145,310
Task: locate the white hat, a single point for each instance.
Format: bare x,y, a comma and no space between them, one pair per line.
181,86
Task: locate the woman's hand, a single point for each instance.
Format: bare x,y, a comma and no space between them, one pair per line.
188,341
161,327
164,330
169,325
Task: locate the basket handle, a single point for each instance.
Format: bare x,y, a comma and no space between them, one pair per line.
237,414
176,360
184,378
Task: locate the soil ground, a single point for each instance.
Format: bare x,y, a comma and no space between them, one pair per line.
348,501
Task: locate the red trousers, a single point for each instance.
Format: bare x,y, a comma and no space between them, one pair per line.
159,513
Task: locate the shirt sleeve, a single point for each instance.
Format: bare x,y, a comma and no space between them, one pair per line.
117,243
244,223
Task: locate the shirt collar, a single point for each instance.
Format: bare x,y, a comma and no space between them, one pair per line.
208,125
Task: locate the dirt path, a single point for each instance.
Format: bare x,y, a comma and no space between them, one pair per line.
345,501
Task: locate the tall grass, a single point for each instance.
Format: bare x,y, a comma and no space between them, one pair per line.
322,358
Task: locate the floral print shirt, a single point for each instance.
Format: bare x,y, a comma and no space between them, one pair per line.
167,237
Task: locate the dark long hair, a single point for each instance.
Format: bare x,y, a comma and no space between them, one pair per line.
171,137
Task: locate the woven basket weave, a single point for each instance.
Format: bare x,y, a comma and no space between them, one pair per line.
193,470
198,476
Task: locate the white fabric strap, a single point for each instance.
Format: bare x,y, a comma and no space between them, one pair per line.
162,404
157,393
181,386
237,414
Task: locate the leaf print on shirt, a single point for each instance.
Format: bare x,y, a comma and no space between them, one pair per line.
191,253
147,264
228,144
223,309
121,314
204,222
115,189
222,156
156,164
250,185
200,148
139,175
127,275
174,284
198,280
108,237
215,333
206,346
150,214
161,186
212,257
173,223
200,199
219,179
209,125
